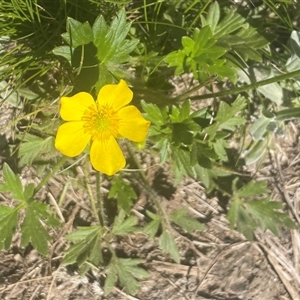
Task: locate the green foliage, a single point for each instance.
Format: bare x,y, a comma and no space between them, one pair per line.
249,214
37,215
124,226
8,224
217,47
200,55
188,223
166,239
33,230
248,61
33,147
124,193
12,184
168,245
86,247
109,49
188,138
226,118
152,227
126,270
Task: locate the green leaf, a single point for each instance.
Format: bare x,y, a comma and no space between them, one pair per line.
219,146
33,230
95,253
9,96
152,227
86,247
182,159
229,24
266,215
124,226
65,52
206,177
227,112
288,114
181,134
153,113
110,41
201,56
100,30
257,151
252,38
199,157
12,183
29,191
248,215
76,251
188,223
176,59
226,118
78,33
82,233
33,148
272,91
126,270
213,15
188,44
8,225
111,279
203,40
253,188
184,111
168,245
105,77
124,193
259,128
122,53
162,145
295,42
238,216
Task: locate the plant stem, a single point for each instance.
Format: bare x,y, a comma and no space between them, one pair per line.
243,88
196,88
90,192
51,174
101,214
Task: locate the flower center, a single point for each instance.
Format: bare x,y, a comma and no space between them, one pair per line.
100,123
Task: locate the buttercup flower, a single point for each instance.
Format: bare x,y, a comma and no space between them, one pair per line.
100,123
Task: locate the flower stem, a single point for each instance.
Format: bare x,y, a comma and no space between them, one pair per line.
90,192
102,218
51,174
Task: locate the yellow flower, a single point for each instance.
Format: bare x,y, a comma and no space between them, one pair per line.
100,122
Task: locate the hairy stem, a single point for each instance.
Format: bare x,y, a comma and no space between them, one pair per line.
90,192
245,87
102,218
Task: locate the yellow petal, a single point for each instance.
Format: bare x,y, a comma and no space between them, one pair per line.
71,139
132,124
106,156
72,108
115,95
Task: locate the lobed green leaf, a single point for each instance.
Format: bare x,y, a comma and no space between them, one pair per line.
168,245
8,225
12,184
